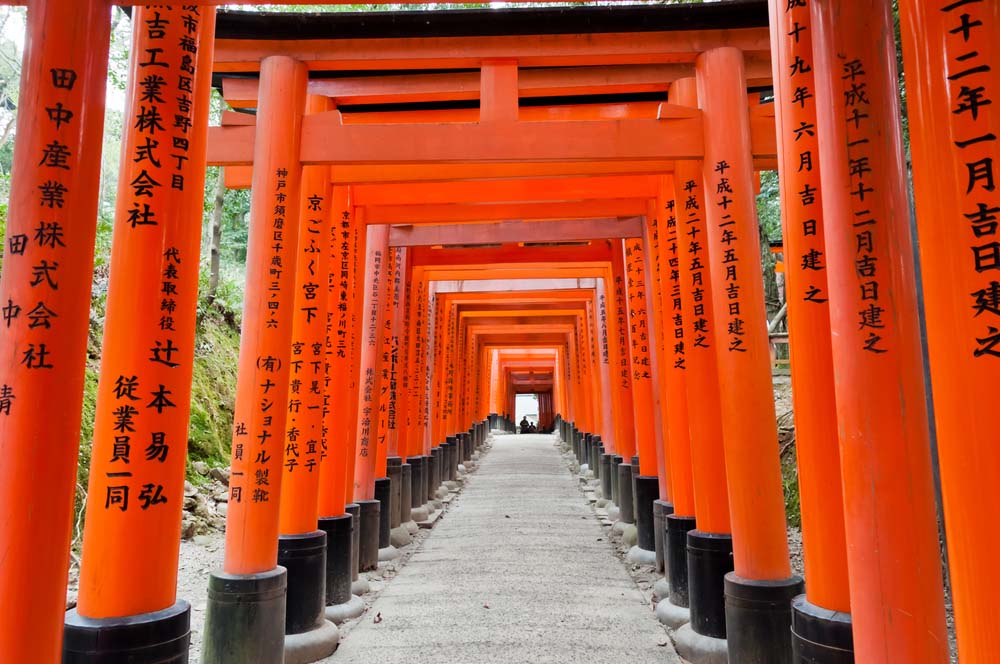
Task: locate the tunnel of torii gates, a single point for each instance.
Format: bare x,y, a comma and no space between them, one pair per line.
452,207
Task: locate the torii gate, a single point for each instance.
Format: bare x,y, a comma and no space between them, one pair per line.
836,105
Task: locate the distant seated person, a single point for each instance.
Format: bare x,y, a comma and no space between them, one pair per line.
532,428
524,425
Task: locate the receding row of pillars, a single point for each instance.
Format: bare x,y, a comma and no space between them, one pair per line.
701,416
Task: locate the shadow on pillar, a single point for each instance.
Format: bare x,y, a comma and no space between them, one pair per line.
161,636
309,636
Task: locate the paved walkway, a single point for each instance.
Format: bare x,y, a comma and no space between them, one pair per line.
517,571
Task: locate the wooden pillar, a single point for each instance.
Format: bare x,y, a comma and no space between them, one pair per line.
640,341
822,618
673,368
760,541
384,399
625,427
604,358
303,436
339,434
47,267
136,487
262,384
369,329
892,539
952,81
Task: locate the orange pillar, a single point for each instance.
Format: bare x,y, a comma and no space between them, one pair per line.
822,616
757,614
625,427
892,541
604,354
955,126
47,267
366,450
262,385
301,540
383,364
303,436
136,487
640,341
339,436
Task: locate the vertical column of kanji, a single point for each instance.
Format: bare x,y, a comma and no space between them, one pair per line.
707,550
953,78
649,489
44,313
140,433
359,253
892,539
680,520
388,467
625,424
338,436
336,519
594,342
821,621
370,340
302,546
604,359
759,592
245,617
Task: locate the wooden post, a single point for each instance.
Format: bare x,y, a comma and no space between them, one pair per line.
952,80
821,621
892,539
136,488
252,629
45,313
757,616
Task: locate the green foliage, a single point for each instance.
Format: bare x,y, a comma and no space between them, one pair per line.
790,484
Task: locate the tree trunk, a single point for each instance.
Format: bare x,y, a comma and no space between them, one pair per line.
216,246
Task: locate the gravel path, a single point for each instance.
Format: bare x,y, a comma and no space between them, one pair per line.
517,571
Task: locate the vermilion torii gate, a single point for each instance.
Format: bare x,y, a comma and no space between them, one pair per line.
627,135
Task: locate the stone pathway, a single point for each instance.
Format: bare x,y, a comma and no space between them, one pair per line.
517,571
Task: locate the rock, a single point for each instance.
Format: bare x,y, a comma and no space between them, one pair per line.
190,502
203,540
189,489
220,474
188,527
70,599
200,467
222,508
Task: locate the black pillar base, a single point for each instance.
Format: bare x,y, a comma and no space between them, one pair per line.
394,471
606,489
820,636
418,490
339,534
405,492
304,556
709,559
759,619
675,556
456,453
646,492
161,636
245,618
355,511
369,527
661,509
383,494
434,476
616,493
626,502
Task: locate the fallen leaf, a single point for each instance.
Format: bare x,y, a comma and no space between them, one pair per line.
378,618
